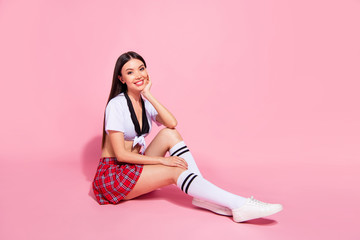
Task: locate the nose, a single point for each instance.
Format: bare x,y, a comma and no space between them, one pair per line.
138,75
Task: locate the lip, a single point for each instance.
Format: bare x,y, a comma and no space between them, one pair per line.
138,82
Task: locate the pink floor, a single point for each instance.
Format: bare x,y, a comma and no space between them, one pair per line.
52,200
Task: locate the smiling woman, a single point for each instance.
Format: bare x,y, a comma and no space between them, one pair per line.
128,169
135,73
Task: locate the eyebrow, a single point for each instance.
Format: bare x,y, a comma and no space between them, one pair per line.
132,69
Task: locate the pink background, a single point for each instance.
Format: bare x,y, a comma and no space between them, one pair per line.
266,94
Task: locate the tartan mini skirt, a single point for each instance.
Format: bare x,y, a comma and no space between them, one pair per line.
114,180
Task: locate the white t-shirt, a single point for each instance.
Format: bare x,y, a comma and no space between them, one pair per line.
118,118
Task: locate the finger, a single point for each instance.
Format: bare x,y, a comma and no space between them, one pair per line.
183,160
178,163
183,164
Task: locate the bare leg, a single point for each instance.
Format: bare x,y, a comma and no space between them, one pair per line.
163,141
156,176
153,177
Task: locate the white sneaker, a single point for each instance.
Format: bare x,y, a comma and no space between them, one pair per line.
254,209
212,207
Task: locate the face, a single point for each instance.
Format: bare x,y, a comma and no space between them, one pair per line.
134,74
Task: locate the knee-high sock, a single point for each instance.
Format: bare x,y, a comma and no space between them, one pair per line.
198,187
181,150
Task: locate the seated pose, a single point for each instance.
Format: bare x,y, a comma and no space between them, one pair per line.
127,169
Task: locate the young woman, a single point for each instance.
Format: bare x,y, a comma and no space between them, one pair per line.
128,169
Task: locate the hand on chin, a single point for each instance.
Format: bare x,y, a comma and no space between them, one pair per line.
146,89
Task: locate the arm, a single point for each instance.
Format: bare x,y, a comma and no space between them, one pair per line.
118,144
164,116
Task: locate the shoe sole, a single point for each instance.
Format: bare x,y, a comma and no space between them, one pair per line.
240,219
212,207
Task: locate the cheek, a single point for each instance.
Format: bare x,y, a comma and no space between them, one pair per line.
127,79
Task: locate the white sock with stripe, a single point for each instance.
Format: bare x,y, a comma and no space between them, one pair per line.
198,187
181,150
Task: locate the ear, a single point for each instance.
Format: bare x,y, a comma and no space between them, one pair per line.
120,78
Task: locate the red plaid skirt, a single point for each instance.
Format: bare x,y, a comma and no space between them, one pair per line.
114,180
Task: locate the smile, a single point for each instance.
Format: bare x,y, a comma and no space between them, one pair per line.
139,83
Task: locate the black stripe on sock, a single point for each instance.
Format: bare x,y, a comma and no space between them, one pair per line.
187,150
178,150
186,190
183,184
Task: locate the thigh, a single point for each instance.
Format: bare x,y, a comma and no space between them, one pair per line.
153,177
162,142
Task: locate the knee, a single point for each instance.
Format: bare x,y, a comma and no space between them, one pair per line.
176,171
171,133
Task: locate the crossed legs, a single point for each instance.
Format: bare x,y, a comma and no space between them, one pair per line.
157,176
191,181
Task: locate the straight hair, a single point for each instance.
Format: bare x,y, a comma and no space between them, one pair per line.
117,86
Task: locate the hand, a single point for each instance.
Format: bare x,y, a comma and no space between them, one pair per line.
174,161
147,87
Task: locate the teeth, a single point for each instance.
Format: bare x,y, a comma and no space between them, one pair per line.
139,83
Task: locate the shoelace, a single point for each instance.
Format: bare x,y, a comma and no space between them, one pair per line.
257,202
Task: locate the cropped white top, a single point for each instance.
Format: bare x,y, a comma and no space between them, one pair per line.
118,117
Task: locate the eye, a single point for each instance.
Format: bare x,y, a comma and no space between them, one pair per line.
129,73
142,68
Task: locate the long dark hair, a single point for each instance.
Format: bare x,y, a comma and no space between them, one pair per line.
117,86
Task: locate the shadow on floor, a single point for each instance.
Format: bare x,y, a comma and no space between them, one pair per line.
175,196
90,157
169,193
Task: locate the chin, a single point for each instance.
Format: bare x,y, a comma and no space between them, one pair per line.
136,89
